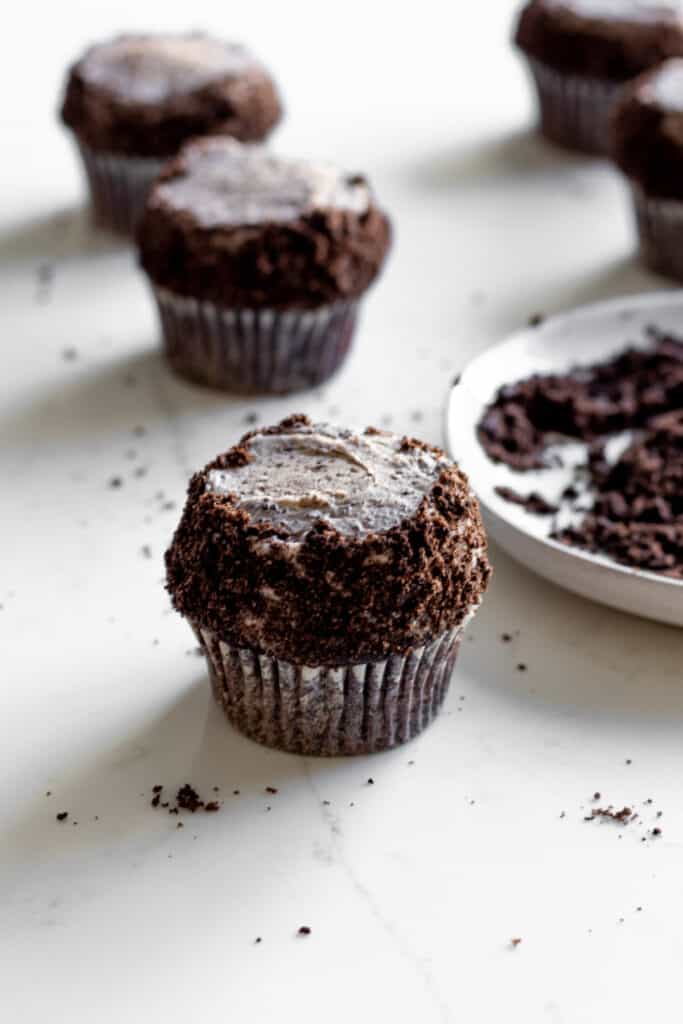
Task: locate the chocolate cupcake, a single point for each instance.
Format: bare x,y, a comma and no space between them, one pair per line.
258,265
581,52
132,102
328,576
647,144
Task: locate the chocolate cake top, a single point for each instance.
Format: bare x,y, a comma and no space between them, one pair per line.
223,183
321,546
606,39
238,226
358,483
647,131
147,94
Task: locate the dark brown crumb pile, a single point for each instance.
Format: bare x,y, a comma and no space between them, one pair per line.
637,512
187,799
633,508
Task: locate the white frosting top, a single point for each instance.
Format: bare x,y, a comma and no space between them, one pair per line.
228,183
357,483
664,88
150,69
618,10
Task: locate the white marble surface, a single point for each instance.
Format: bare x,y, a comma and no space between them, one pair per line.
413,887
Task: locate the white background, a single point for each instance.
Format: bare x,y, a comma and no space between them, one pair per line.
413,887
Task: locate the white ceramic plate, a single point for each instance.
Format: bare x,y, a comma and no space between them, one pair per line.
586,335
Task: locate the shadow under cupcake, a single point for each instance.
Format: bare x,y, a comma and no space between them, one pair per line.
258,265
329,576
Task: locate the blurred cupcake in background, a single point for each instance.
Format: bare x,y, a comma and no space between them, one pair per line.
132,102
581,52
258,264
647,144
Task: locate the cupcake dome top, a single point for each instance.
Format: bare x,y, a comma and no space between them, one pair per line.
239,227
316,544
605,39
147,94
222,183
151,69
647,131
355,483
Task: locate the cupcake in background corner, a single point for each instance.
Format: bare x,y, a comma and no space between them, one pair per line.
258,265
328,576
581,52
133,101
647,145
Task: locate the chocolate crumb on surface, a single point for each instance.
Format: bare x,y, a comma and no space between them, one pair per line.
115,482
623,816
271,789
515,942
304,930
62,816
188,799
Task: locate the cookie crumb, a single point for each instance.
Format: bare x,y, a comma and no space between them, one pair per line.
62,816
304,930
515,942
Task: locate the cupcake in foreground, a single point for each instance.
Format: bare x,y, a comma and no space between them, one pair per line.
258,265
328,576
647,144
582,51
132,102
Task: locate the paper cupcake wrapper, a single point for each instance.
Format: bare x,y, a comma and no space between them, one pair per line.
252,351
353,709
660,232
118,187
574,109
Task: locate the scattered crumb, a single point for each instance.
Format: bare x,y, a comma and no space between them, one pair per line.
624,816
62,816
251,417
139,431
258,939
146,551
596,796
515,942
212,806
326,803
536,319
188,799
69,354
371,782
115,481
304,930
49,793
506,638
271,789
521,667
656,831
235,792
628,760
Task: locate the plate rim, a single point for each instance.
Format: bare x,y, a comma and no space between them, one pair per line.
638,301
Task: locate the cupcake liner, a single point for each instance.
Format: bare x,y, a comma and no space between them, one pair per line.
118,187
351,709
254,350
574,109
660,232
